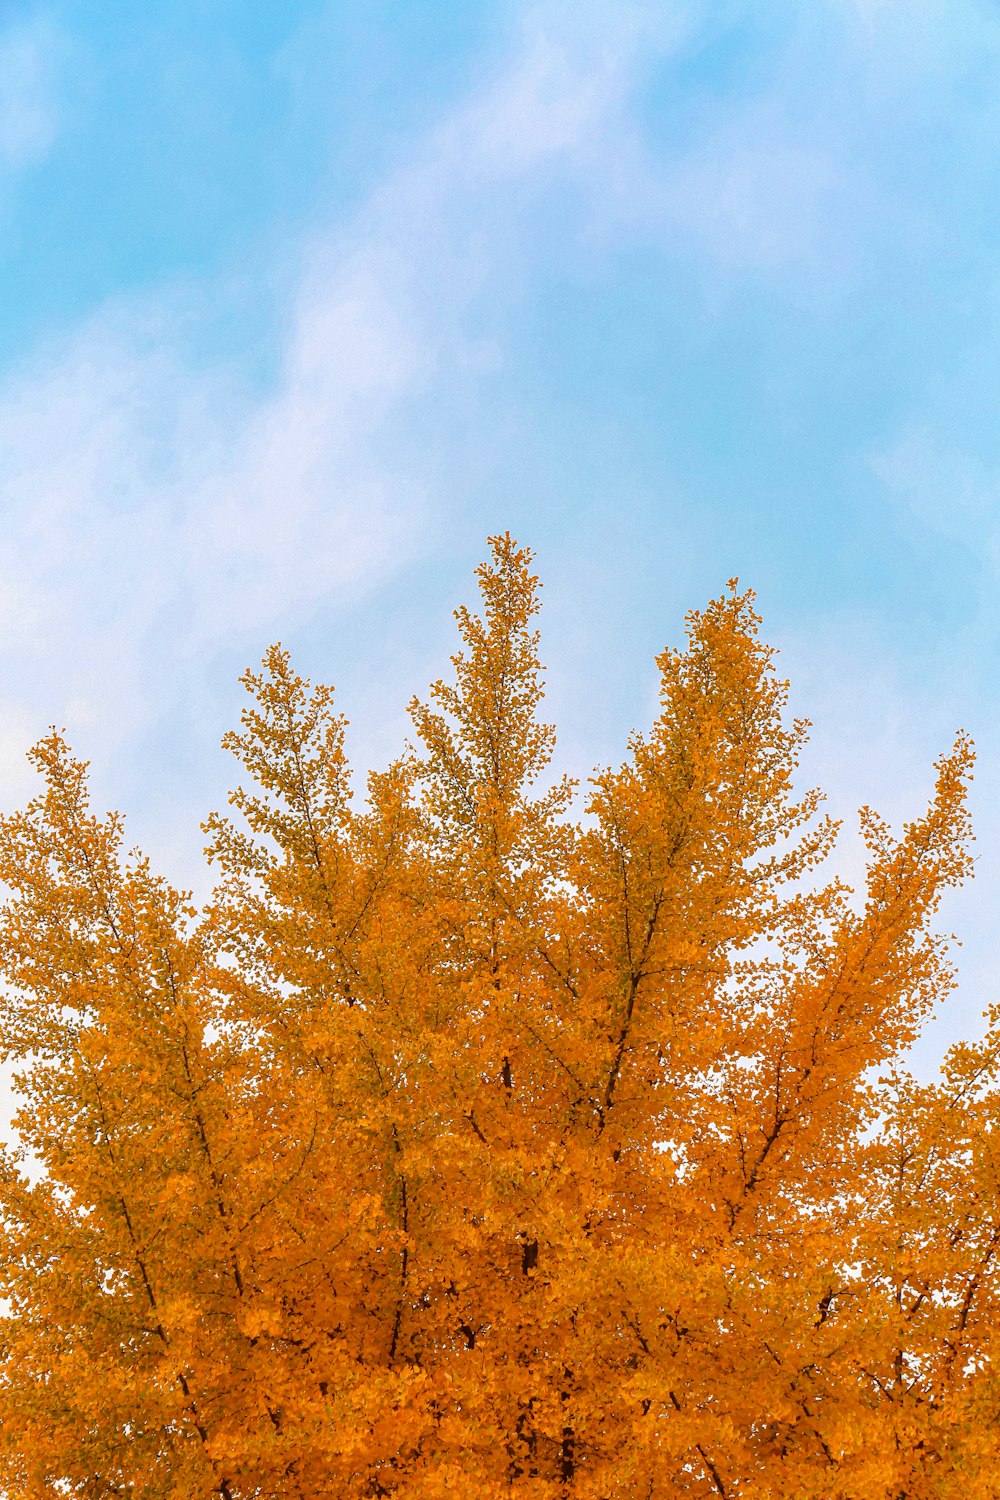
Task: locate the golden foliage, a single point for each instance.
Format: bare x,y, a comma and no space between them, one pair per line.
457,1149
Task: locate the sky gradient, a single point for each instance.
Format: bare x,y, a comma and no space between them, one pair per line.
303,300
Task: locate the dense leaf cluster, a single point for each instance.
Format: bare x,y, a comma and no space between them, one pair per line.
460,1148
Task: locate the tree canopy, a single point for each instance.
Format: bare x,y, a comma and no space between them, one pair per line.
469,1141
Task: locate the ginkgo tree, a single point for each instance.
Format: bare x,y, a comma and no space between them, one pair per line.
475,1141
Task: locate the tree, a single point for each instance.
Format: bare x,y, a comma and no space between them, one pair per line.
461,1147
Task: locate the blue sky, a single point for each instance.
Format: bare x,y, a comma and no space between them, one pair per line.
301,300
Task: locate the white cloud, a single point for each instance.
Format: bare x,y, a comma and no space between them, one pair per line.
931,40
756,181
951,492
752,197
802,173
577,67
145,495
32,55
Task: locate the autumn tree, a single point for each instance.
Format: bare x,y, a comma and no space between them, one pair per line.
478,1140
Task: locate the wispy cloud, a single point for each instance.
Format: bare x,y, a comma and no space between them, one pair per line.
146,495
33,53
947,490
151,500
